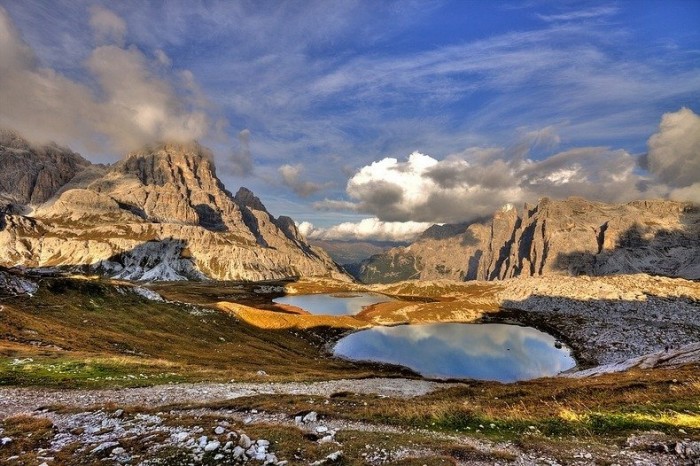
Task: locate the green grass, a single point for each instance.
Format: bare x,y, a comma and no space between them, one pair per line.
91,333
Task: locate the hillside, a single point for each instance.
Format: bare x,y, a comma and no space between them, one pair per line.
563,237
159,214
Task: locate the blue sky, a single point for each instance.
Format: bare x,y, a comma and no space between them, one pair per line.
321,90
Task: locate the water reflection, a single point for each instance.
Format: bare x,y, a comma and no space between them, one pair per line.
333,304
501,352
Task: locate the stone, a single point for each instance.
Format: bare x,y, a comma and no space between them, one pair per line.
311,417
238,452
219,430
179,437
321,429
245,441
212,445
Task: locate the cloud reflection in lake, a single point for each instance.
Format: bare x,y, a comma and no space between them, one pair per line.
501,352
333,304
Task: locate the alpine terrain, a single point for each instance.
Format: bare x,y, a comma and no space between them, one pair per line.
159,214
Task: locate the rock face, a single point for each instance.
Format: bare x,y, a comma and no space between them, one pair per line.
32,174
159,214
567,237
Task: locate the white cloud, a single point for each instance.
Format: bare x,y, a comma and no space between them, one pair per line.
107,26
366,229
476,182
133,104
291,177
674,151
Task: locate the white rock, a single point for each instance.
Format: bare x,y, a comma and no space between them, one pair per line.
238,452
213,445
298,419
203,440
118,451
179,437
326,439
6,440
321,429
311,417
263,443
244,441
219,430
219,457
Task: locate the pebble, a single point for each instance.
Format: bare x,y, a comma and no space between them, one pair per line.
321,429
213,445
219,430
244,441
311,417
6,440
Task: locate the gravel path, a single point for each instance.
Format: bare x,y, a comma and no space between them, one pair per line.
18,400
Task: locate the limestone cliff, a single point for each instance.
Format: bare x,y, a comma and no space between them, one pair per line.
159,214
32,174
568,237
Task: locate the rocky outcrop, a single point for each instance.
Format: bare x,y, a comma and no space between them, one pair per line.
566,237
159,214
33,174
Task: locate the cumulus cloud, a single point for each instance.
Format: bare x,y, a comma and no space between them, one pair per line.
366,229
291,177
674,151
107,26
479,181
133,102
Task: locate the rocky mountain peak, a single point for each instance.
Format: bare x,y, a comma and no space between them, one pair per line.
31,174
245,197
171,163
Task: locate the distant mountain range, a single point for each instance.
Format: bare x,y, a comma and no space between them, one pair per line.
568,237
159,214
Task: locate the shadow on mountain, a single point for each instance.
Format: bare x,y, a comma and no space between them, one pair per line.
210,218
251,221
641,248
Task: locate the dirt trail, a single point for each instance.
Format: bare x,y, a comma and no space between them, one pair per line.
18,400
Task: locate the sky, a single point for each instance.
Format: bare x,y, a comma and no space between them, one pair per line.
373,119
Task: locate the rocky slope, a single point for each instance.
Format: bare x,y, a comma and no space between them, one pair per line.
159,214
32,174
567,237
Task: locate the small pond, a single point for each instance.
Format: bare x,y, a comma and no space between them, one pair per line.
333,304
506,353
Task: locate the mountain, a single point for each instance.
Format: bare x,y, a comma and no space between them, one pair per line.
348,252
567,237
159,214
33,174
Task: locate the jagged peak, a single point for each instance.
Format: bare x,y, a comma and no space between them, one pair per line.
11,138
246,197
190,149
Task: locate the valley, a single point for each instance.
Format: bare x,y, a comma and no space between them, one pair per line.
149,316
174,358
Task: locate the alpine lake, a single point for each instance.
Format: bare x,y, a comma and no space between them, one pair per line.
488,351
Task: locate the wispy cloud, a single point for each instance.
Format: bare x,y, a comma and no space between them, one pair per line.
576,15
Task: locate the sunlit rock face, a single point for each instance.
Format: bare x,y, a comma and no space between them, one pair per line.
159,214
566,237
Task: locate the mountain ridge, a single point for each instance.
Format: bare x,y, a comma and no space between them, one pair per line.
159,214
573,236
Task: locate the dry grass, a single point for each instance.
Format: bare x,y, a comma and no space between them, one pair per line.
269,320
95,333
614,404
